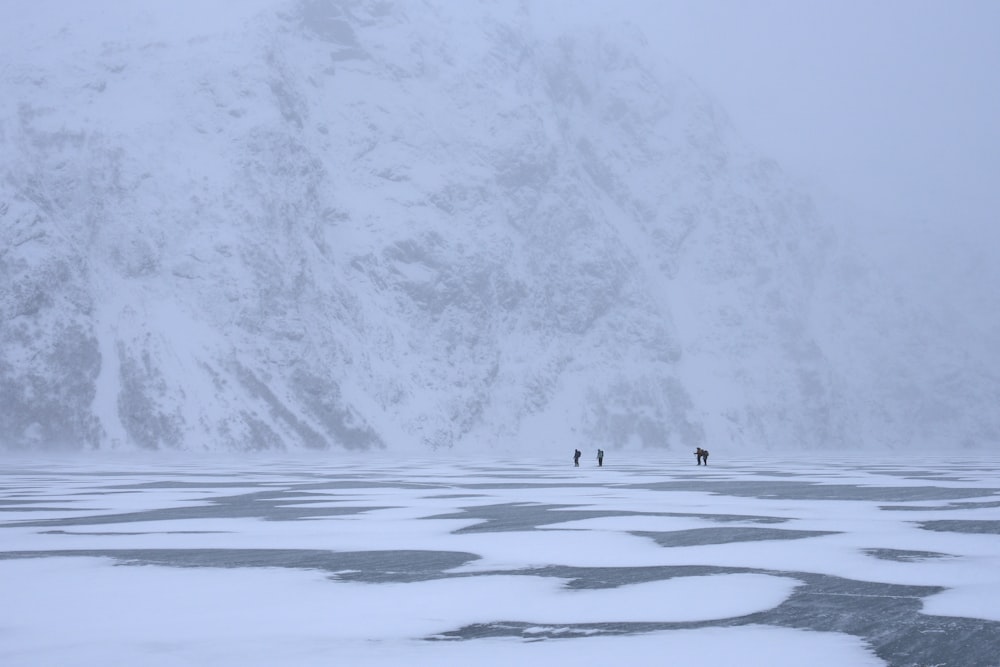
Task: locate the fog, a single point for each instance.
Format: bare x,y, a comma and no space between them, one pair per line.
891,109
888,113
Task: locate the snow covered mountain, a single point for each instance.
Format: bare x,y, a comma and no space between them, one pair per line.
367,224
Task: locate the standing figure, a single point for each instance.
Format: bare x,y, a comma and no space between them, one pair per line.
697,455
600,458
704,456
576,457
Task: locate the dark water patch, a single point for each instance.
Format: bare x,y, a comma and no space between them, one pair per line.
508,517
122,532
521,470
727,518
48,475
100,492
182,484
365,484
38,508
702,536
905,555
776,473
942,508
595,578
928,475
264,505
502,486
508,473
402,566
887,617
16,503
991,504
322,484
968,526
782,490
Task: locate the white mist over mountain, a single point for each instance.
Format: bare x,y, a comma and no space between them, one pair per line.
410,226
891,110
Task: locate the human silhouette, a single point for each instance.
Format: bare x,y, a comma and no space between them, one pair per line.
600,458
576,457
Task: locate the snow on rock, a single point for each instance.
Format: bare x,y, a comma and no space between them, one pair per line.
368,225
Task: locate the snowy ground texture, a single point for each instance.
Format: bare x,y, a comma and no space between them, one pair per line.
374,562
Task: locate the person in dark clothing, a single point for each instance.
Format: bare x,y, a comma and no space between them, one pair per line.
600,458
576,457
697,455
704,456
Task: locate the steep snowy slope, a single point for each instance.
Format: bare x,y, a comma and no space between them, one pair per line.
369,224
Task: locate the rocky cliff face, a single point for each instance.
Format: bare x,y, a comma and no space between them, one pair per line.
368,224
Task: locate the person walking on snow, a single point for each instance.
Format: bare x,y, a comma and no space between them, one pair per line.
600,458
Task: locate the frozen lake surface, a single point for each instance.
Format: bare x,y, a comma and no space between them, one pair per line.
426,562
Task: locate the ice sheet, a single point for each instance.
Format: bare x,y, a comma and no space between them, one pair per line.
445,562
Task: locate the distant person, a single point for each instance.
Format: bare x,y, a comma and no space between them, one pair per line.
576,457
704,456
697,455
600,458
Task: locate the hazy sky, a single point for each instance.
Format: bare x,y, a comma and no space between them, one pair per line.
893,103
890,105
